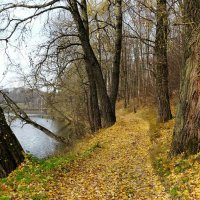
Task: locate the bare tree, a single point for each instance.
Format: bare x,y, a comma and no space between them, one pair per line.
79,13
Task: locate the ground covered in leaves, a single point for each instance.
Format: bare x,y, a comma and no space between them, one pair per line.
180,175
125,161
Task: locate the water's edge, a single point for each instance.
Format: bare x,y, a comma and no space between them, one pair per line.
36,142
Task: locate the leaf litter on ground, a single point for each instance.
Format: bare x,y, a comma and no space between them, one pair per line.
126,161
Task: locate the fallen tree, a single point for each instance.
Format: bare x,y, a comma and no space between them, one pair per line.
19,113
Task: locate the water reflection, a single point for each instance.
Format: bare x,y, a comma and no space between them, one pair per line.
36,142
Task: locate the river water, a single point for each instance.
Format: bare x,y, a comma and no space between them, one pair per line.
36,142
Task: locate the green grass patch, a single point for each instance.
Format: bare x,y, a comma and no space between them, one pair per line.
179,175
32,179
4,197
89,151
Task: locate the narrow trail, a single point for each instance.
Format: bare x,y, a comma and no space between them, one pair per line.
119,169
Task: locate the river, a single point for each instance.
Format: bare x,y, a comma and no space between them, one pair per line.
36,142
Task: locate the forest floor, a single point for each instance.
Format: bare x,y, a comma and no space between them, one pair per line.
125,161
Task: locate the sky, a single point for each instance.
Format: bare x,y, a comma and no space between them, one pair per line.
19,54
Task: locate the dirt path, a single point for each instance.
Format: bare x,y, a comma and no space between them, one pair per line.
119,169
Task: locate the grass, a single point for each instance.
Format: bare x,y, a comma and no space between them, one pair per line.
179,175
34,175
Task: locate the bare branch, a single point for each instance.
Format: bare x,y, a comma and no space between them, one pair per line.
35,6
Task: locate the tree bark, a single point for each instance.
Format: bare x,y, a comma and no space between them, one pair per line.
93,65
24,117
186,136
164,111
94,111
117,54
11,152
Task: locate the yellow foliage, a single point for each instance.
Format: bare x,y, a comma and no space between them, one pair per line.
115,163
180,175
100,7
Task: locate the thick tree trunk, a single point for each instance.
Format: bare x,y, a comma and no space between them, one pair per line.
108,116
94,108
164,112
117,55
94,111
186,136
93,65
11,152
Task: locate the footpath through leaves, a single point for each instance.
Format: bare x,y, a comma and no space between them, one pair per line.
113,164
120,168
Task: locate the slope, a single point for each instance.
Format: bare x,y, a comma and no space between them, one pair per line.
114,163
120,168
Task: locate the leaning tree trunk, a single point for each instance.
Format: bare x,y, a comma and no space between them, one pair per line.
24,117
164,112
108,116
94,108
94,67
11,152
186,136
94,111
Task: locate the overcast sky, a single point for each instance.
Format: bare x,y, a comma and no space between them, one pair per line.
19,55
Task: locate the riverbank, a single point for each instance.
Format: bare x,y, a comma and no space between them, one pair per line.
125,161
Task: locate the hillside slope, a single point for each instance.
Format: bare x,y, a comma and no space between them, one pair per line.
113,164
120,168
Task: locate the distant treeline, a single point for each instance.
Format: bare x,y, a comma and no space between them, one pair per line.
27,98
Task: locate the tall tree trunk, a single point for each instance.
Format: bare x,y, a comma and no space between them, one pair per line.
94,111
11,152
93,65
186,137
124,73
137,72
125,78
117,54
164,112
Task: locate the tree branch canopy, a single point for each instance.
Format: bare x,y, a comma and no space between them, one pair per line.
14,22
34,6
